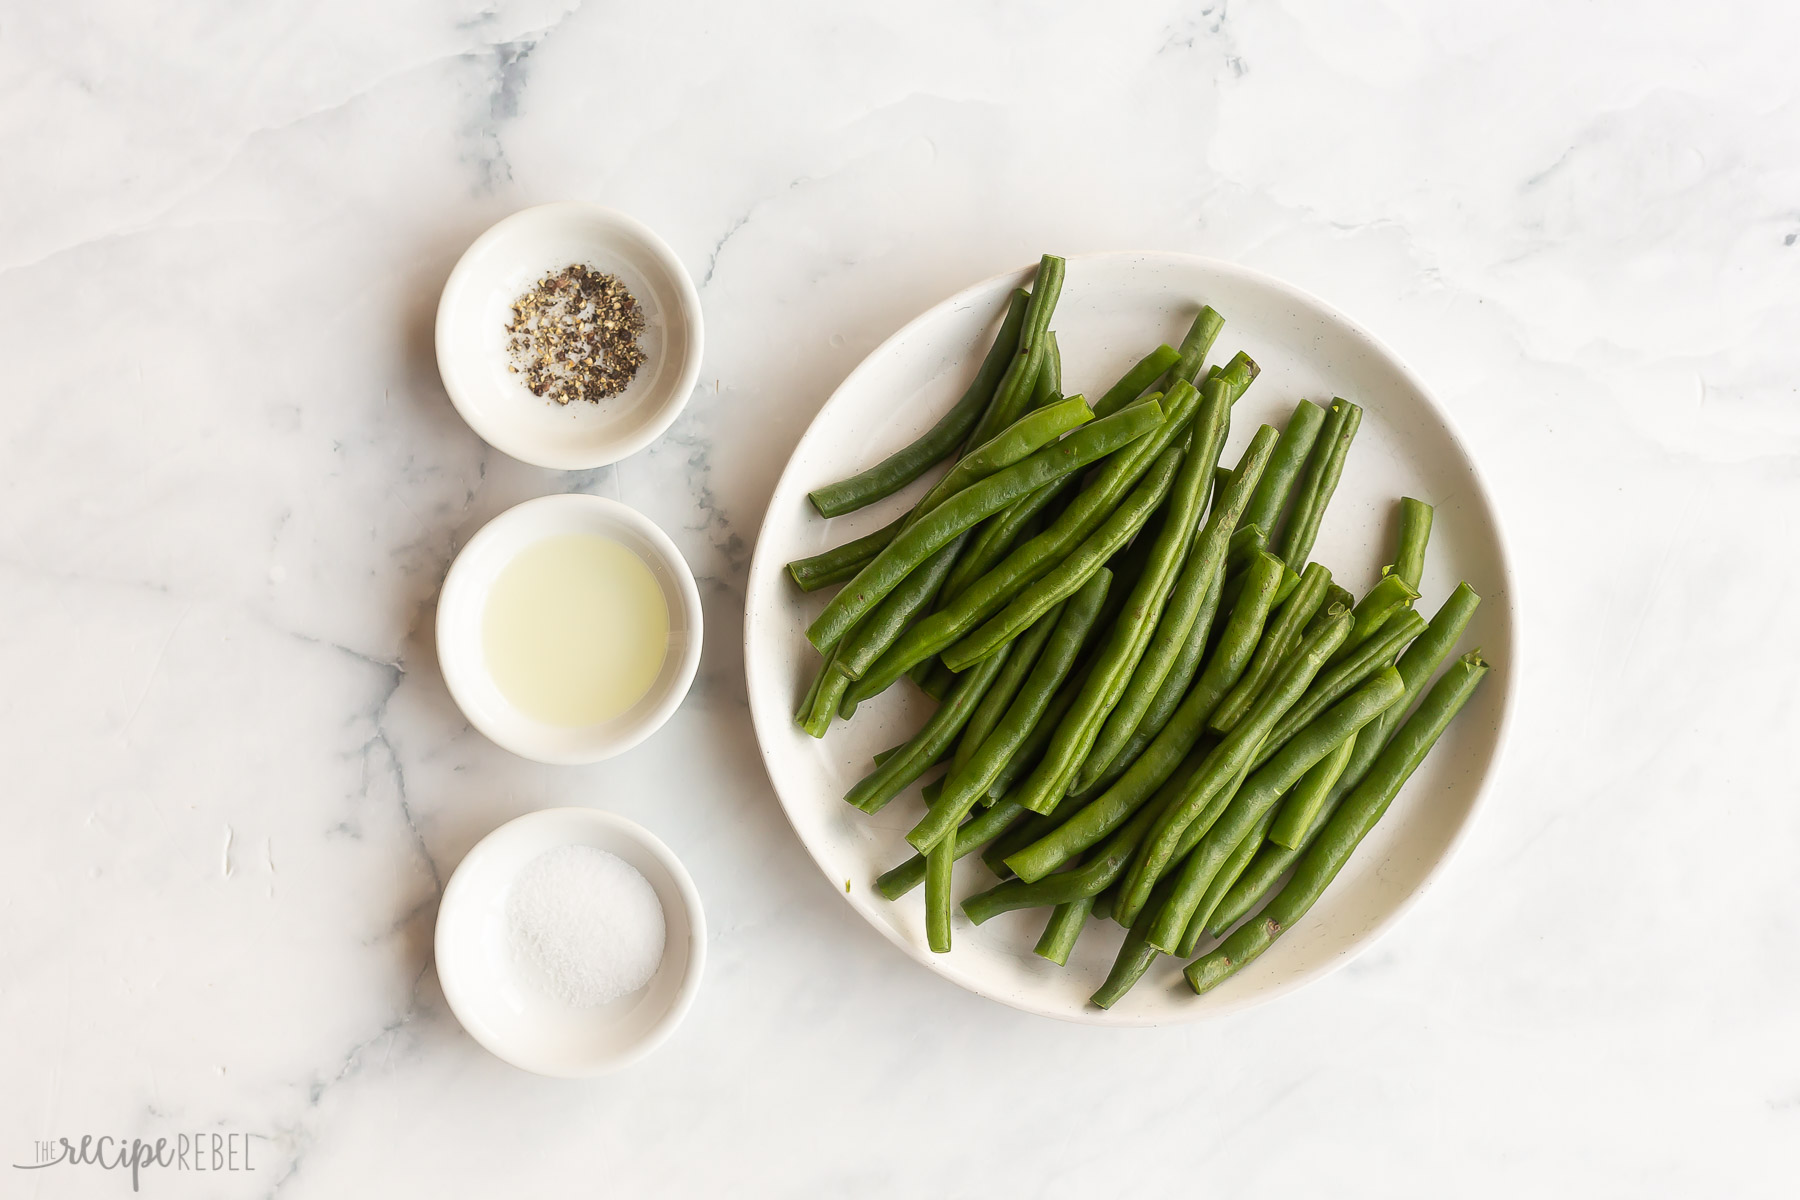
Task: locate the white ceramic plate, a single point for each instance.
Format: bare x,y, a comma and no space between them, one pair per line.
492,993
1114,308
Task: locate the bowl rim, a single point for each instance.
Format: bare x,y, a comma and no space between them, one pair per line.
458,661
1513,618
627,440
455,902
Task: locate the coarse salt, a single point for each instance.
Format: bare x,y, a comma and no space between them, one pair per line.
590,923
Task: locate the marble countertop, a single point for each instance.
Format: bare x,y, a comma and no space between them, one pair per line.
234,783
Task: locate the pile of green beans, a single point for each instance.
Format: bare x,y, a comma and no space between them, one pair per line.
1152,703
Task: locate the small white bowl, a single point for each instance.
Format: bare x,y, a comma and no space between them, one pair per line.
463,600
503,264
513,1018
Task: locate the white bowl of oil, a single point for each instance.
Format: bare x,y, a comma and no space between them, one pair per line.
569,629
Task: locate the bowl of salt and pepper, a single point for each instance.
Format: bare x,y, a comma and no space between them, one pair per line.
569,629
568,336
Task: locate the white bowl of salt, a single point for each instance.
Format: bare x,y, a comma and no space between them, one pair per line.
570,942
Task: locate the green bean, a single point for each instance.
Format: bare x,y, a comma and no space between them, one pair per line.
1416,667
1089,510
1266,867
1067,576
1289,581
1352,821
989,593
1210,549
1284,587
1053,776
1066,921
1284,467
843,562
1014,390
1127,564
1246,543
1421,658
937,895
1415,532
1126,641
888,780
1243,630
1175,685
1226,761
1337,679
1200,336
1257,797
1089,879
1033,852
1323,467
1121,981
999,698
1028,829
996,538
972,776
1237,375
941,440
1046,389
1235,576
812,579
974,834
1381,602
1233,589
938,682
1103,906
1295,816
1136,381
876,633
803,714
1336,594
968,507
898,609
1166,752
1228,874
824,697
1284,633
1163,676
1446,626
1136,956
883,756
1032,748
1189,840
1032,431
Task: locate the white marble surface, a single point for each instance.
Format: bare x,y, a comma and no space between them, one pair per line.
234,783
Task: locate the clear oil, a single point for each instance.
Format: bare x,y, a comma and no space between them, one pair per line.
575,630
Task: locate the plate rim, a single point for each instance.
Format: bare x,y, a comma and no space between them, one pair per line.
1086,1015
